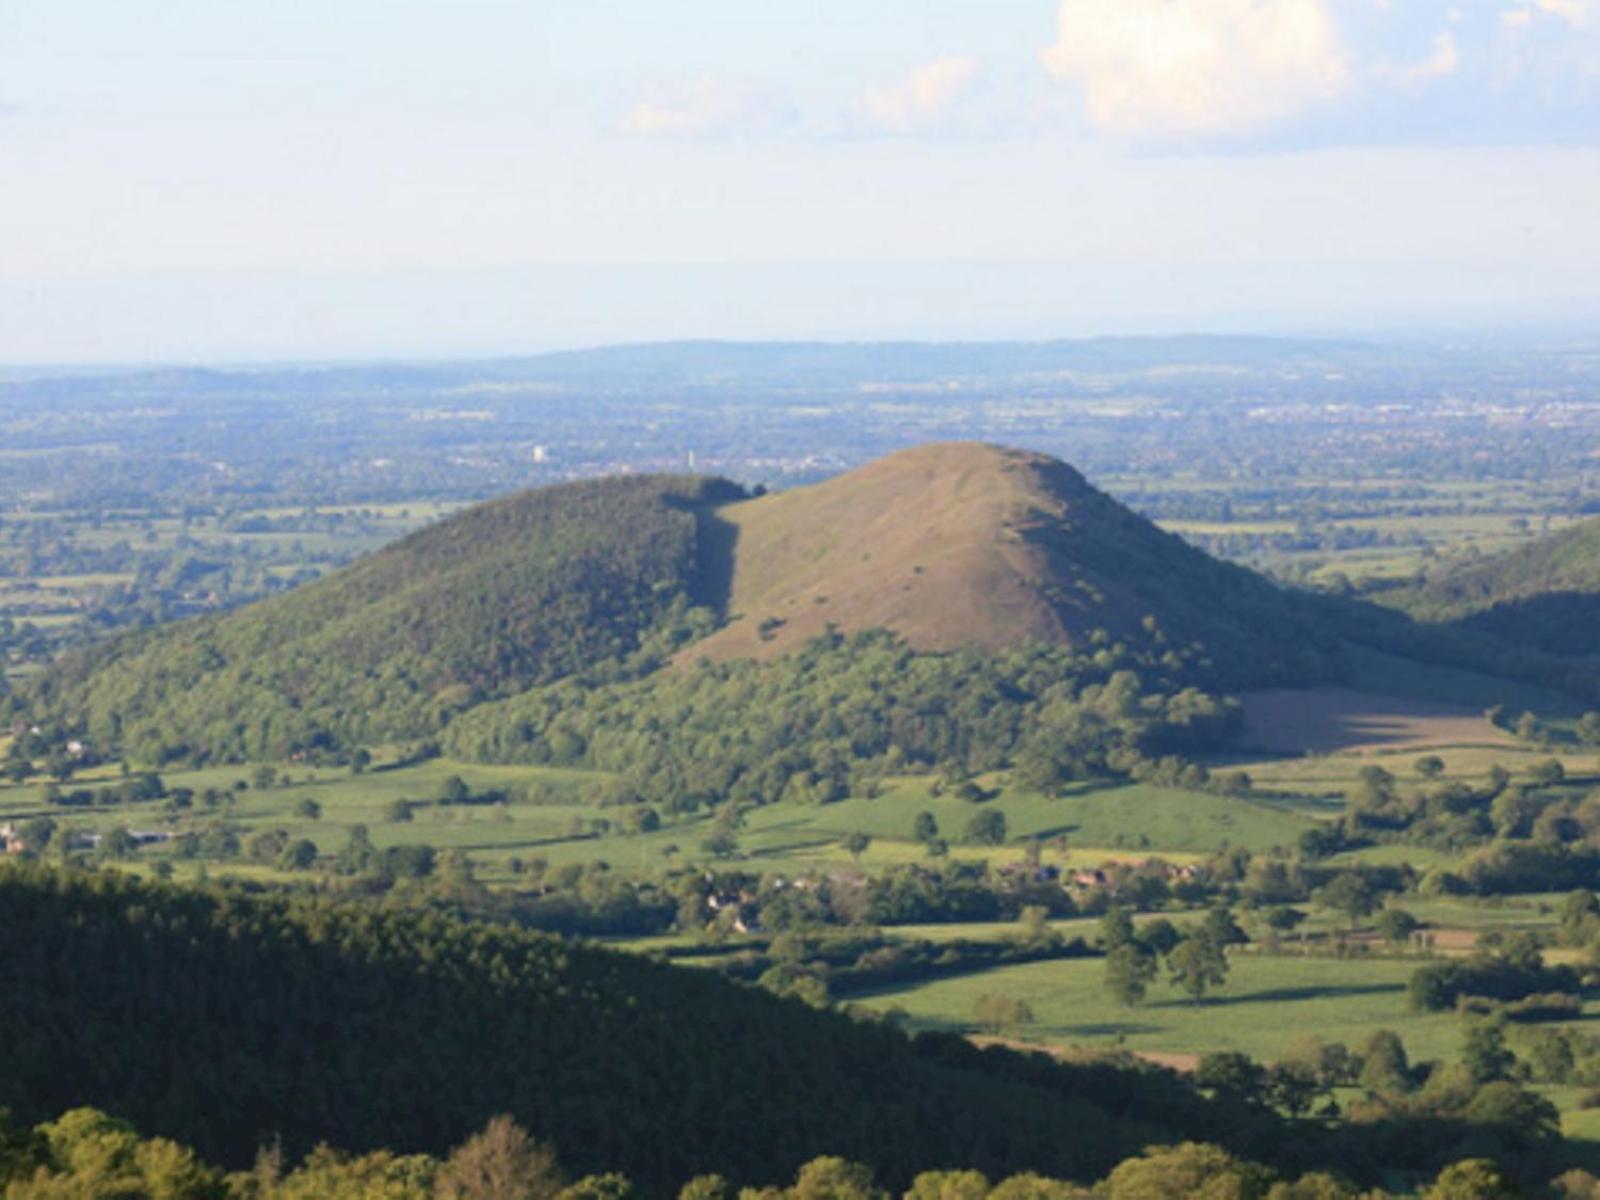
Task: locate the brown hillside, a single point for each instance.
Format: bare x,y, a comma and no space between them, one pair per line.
965,543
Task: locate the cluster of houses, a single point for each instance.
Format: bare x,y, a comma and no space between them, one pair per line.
11,840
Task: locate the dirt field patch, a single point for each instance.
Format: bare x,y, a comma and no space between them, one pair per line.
1330,720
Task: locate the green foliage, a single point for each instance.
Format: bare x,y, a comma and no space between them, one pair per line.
1186,1171
1350,893
1440,986
391,1027
1472,1179
1001,1014
1544,595
1484,1051
987,828
804,727
510,594
1130,970
1197,965
1396,925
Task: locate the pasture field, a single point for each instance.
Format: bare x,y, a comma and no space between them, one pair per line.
1266,1003
1330,776
548,813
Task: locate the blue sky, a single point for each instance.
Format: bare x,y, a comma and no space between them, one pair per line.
341,178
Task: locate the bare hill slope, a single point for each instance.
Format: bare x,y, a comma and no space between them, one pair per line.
964,543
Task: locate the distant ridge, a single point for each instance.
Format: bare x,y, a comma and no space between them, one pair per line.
848,363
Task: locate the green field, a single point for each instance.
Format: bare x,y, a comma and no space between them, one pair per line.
1086,827
1264,1005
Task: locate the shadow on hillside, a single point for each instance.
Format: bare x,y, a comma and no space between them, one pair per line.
1556,622
1277,995
715,543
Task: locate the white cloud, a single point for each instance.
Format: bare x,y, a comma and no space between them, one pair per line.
1575,12
1166,67
923,98
706,106
1443,62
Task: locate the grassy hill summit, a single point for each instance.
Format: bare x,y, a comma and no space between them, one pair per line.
948,547
1544,595
964,543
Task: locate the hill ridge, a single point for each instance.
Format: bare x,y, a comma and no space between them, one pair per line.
946,545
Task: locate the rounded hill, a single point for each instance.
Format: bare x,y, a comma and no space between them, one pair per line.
947,546
504,596
960,544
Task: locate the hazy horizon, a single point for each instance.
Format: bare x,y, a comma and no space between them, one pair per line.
288,181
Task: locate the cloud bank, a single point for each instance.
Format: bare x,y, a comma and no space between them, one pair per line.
706,106
1198,67
923,99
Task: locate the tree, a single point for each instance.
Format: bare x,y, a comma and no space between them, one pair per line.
1231,1074
1384,1065
1485,1053
1284,919
1429,766
1527,1116
1028,1186
1292,1088
998,1013
360,760
36,833
1471,1179
1130,969
1578,911
1351,894
947,1185
117,843
264,777
1221,929
835,1179
1033,928
1197,965
1116,928
610,1186
987,828
706,1187
298,855
1588,728
308,809
1182,1172
925,828
1159,936
500,1163
643,819
856,844
1396,925
1548,772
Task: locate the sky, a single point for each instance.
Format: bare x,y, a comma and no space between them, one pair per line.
244,180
